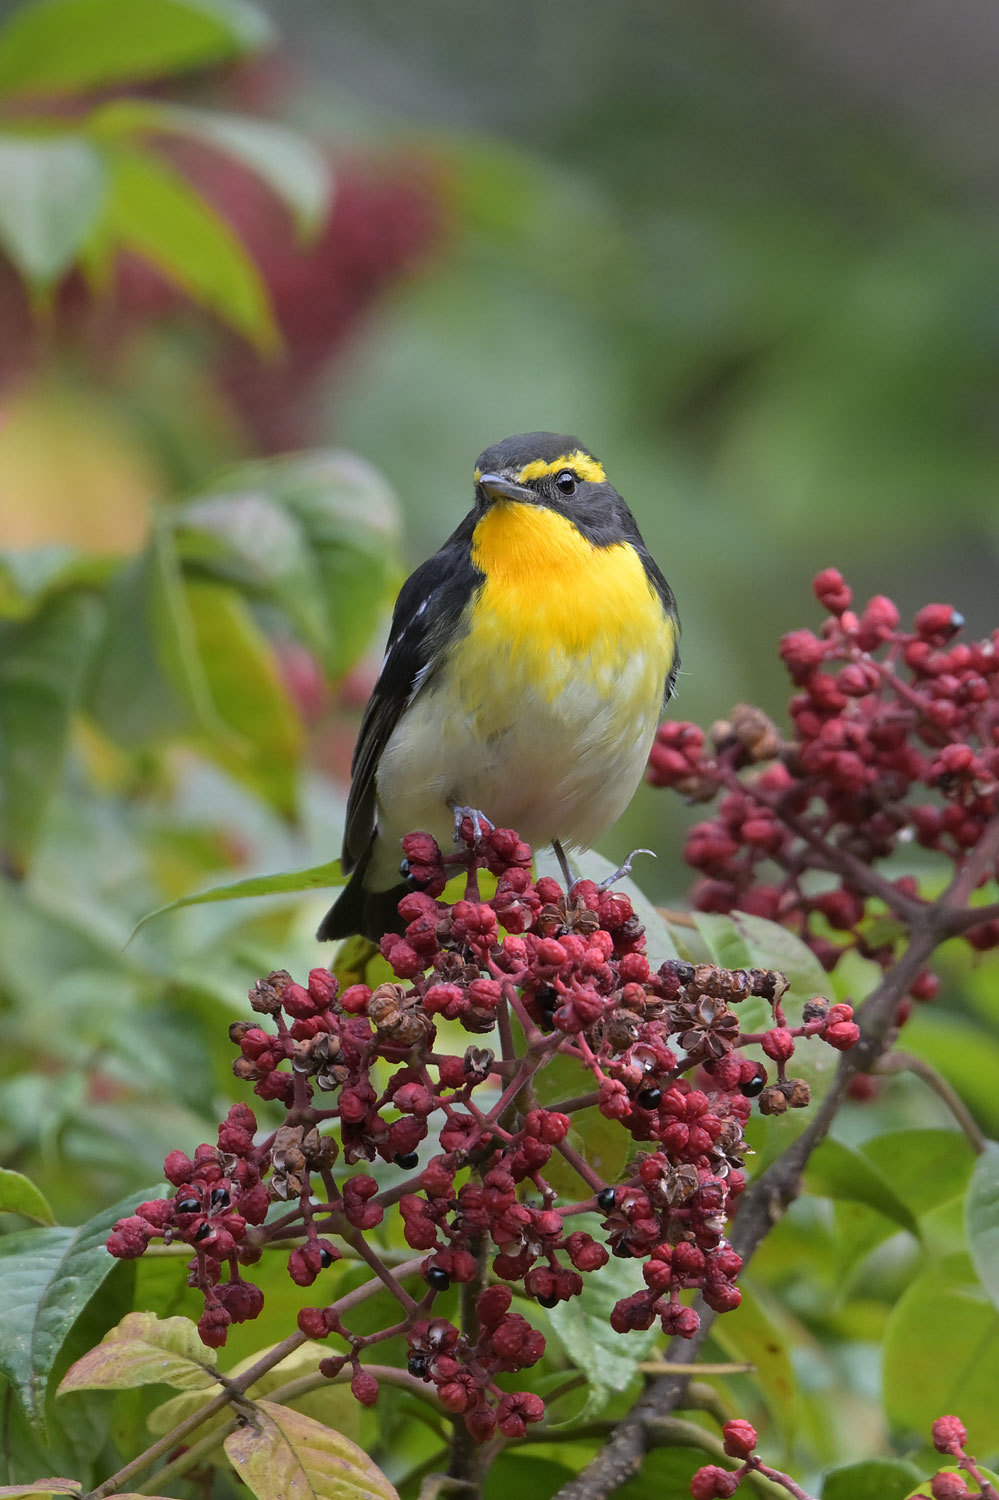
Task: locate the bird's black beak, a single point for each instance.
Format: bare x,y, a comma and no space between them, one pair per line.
495,487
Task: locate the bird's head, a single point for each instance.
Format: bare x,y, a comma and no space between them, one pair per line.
550,470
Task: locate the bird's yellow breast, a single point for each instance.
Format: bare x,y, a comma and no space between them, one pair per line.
553,606
548,589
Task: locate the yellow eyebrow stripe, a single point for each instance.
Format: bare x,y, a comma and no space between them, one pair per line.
582,465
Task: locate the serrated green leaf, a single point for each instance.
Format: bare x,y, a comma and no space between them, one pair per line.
874,1479
18,1195
837,1171
941,1352
155,213
70,45
290,165
145,1350
286,883
42,665
52,189
47,1277
283,1453
609,1360
982,1219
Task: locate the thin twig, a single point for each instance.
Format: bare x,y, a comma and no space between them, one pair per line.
904,1062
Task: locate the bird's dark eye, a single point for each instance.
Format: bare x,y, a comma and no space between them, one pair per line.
566,482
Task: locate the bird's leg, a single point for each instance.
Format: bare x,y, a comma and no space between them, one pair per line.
480,823
623,870
567,875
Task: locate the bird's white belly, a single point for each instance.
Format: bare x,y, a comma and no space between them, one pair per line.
553,762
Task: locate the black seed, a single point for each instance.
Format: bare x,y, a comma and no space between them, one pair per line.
188,1205
548,1301
649,1098
408,1161
438,1278
417,1364
220,1198
754,1086
546,998
202,1231
325,1258
605,1199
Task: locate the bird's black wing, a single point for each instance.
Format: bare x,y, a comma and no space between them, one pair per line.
427,619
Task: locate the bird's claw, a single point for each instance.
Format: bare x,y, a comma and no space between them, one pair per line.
623,870
480,824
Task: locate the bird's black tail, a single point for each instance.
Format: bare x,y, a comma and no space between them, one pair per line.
358,910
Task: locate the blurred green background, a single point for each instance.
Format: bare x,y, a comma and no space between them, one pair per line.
271,276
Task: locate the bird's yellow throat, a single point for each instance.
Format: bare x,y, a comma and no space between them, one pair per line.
549,591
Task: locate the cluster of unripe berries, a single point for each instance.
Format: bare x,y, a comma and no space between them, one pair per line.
895,739
555,974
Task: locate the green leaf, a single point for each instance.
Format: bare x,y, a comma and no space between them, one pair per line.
290,165
925,1167
131,694
601,1142
874,1479
247,693
316,532
529,1478
837,1171
52,189
666,1473
18,1195
145,1350
316,878
283,1453
752,1334
79,45
154,212
28,575
609,1360
941,1352
47,1277
982,1219
42,666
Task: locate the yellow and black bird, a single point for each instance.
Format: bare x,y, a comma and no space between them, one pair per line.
527,666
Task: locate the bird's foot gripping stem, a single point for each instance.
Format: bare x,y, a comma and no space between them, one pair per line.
480,825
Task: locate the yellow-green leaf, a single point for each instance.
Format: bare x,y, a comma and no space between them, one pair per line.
154,212
145,1350
70,45
283,1455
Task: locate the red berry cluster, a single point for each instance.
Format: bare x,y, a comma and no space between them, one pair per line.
219,1193
895,739
553,974
712,1482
